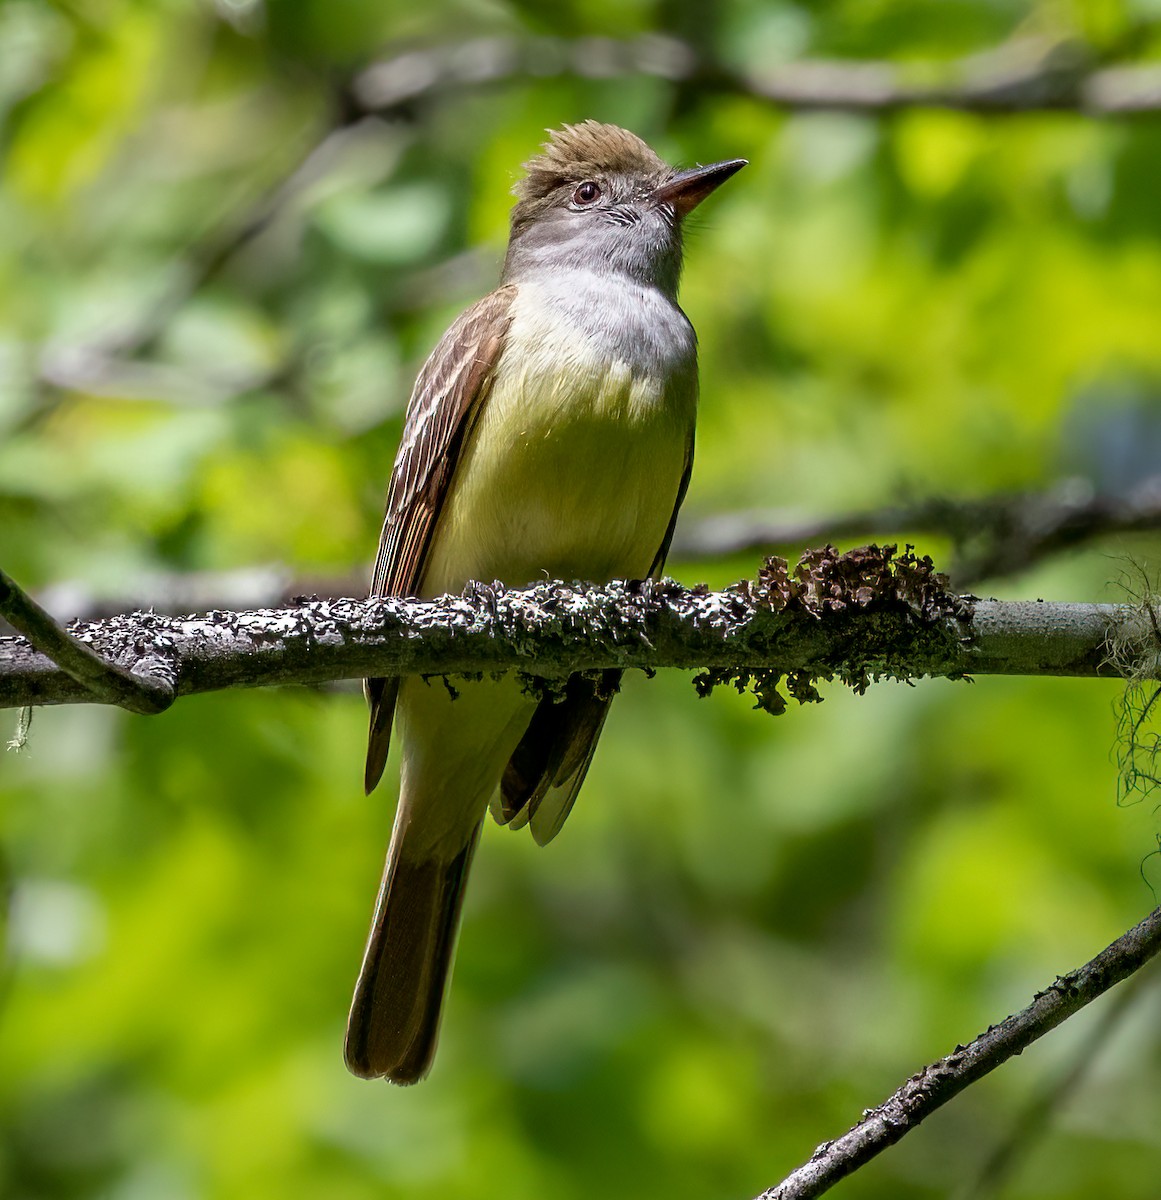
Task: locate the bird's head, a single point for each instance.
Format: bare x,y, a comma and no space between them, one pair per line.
600,199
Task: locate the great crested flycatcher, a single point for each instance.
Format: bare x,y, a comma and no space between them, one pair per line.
549,435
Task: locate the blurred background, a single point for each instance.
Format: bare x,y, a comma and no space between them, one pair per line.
229,234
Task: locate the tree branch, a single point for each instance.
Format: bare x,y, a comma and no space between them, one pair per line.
140,689
856,617
1025,1131
936,1084
1022,76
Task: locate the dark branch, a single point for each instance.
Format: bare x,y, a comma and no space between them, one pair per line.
145,688
936,1084
1024,76
993,537
856,617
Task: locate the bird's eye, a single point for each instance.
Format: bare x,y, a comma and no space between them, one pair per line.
586,193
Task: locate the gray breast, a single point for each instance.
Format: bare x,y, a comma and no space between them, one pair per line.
619,318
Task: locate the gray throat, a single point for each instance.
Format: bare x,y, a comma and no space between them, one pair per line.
626,319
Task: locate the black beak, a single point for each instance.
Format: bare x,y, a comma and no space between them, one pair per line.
687,189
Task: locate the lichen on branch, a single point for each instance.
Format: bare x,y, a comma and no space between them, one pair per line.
828,585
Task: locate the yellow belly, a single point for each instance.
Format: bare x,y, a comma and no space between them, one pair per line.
571,472
568,474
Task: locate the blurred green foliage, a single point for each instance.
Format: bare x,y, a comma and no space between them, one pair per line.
751,929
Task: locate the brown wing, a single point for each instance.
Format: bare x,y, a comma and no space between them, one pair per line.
545,773
448,394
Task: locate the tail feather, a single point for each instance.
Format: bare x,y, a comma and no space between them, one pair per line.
546,770
381,696
395,1014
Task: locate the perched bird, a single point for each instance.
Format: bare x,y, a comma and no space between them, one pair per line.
549,435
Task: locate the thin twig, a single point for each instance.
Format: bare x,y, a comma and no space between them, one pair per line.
102,680
113,360
936,1084
19,739
994,537
1029,1125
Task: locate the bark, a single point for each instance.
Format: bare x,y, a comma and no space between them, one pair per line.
856,617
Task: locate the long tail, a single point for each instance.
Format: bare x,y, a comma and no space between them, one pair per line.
394,1021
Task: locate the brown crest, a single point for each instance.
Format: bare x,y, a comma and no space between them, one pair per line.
584,151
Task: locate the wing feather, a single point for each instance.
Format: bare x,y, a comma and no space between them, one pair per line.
545,773
452,386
